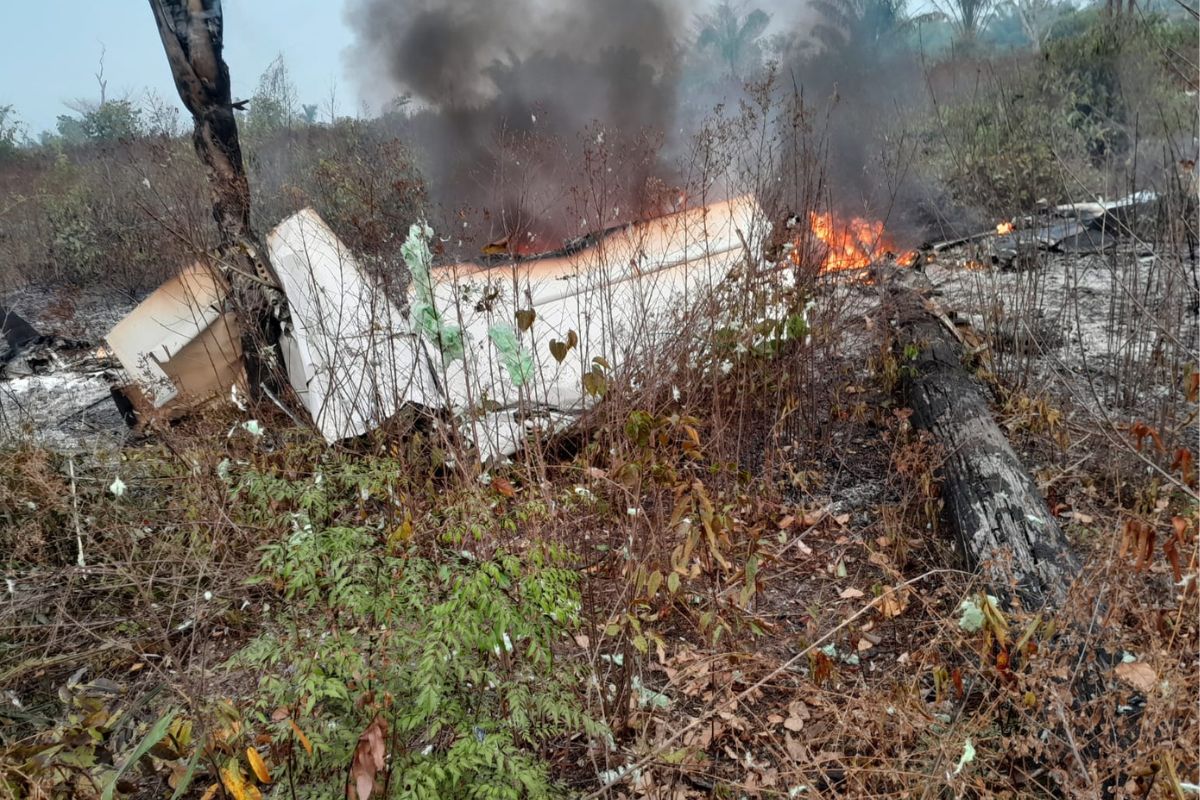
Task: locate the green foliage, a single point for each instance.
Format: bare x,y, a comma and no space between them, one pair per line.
11,130
71,132
1049,127
74,243
113,120
110,121
454,653
1118,72
1006,151
969,18
273,105
96,749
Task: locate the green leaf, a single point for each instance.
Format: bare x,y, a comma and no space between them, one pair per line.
656,579
152,737
594,384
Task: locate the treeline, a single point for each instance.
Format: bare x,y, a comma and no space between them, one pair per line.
997,105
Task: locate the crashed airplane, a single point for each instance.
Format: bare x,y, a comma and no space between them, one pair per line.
505,348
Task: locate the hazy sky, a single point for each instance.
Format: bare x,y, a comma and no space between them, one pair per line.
52,49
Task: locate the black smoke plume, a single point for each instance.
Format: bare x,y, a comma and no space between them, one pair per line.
511,97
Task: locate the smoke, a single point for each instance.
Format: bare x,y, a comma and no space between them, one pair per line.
494,79
443,52
512,101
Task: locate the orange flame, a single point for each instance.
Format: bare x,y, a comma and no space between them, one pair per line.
855,243
1004,227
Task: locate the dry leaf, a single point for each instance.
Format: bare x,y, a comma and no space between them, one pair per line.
504,487
1181,526
368,760
786,522
304,742
1137,674
280,714
850,593
795,749
811,518
235,784
864,645
211,792
893,604
880,560
797,715
842,519
258,765
798,709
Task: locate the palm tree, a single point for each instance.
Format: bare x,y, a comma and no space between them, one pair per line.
862,27
968,17
1037,19
735,37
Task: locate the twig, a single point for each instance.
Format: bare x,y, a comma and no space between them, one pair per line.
79,559
39,662
271,395
732,702
1074,748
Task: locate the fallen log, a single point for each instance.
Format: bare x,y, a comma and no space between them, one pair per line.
1004,528
991,502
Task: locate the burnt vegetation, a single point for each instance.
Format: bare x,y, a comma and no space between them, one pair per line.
905,506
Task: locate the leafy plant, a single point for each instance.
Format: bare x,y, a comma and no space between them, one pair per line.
96,749
453,656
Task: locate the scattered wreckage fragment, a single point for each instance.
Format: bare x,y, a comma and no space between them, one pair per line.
54,389
1077,228
506,349
347,351
179,347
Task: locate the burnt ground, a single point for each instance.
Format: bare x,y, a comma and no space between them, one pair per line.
1069,319
60,398
823,688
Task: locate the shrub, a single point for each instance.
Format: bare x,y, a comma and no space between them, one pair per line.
455,654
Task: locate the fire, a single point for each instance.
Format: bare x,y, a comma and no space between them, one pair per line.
1004,227
855,243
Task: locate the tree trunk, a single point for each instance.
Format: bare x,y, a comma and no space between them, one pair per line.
991,501
191,33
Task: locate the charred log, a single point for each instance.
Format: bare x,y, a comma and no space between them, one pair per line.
992,503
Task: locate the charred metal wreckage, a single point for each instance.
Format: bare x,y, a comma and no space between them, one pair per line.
506,348
503,348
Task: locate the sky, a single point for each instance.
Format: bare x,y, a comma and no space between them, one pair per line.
52,52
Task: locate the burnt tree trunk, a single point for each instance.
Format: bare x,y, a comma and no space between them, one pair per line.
993,504
191,33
